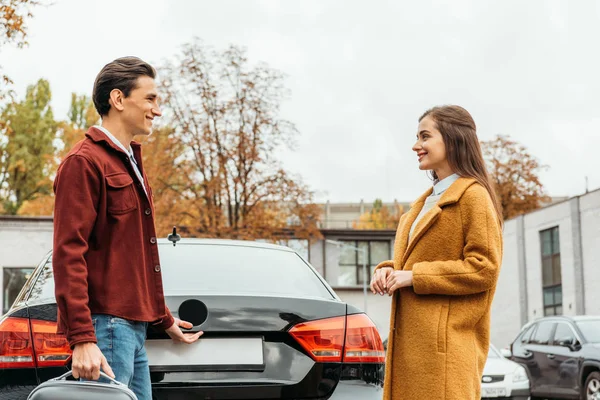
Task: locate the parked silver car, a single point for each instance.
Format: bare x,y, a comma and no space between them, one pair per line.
503,378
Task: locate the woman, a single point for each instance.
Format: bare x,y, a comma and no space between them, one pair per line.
447,258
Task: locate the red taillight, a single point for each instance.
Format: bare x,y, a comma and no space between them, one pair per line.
51,349
15,344
323,339
17,350
363,343
351,339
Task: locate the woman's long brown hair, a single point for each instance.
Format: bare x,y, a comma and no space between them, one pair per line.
463,150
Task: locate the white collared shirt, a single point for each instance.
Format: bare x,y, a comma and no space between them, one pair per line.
440,186
130,153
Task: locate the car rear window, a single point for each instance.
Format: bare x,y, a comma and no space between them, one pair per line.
222,269
235,269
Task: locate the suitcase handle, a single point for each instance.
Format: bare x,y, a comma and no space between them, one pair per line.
102,374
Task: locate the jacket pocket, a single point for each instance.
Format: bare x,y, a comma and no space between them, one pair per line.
443,329
120,194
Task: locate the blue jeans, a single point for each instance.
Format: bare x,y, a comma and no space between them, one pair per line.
122,343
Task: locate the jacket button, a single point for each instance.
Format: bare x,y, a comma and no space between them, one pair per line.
148,211
152,240
157,268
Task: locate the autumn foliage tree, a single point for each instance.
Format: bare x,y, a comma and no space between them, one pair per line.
82,115
13,28
219,170
515,173
27,134
379,217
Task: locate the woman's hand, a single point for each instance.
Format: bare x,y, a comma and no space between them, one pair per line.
397,280
378,282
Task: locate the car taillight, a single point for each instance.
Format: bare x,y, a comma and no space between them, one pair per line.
323,339
15,344
363,343
351,339
50,348
18,350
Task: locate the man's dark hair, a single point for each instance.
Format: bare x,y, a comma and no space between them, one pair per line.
121,74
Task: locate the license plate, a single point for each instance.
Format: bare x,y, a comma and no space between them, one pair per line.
236,353
493,392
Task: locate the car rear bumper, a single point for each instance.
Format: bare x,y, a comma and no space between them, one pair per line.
351,390
344,391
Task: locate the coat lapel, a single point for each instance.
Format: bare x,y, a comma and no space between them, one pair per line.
450,196
406,223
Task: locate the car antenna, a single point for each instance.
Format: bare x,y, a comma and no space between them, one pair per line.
174,237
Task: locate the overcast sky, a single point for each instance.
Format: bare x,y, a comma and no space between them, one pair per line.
361,73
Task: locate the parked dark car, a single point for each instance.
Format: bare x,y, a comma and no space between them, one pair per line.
562,357
274,329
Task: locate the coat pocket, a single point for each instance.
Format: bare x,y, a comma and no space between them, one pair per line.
443,329
120,193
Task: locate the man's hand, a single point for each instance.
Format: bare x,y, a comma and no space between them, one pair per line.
379,280
177,335
87,362
399,279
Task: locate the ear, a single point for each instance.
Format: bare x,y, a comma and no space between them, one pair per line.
116,99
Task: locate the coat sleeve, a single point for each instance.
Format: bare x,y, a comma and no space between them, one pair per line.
478,270
77,188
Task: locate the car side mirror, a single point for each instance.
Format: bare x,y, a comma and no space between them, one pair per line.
506,353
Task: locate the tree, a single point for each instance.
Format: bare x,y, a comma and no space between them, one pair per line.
225,118
379,217
27,134
515,174
82,115
13,29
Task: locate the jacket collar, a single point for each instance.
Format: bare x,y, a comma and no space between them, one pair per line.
97,136
450,196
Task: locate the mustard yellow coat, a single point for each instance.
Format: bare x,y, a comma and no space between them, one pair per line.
440,327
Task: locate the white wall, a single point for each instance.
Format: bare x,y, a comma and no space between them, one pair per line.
506,307
590,239
549,217
23,243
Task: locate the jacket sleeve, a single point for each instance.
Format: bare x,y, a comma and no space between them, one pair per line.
482,255
76,187
166,322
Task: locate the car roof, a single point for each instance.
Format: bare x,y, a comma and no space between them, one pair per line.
570,318
226,242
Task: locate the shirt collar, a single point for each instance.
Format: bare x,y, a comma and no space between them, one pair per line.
440,186
116,142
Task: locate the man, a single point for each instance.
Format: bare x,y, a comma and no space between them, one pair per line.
106,265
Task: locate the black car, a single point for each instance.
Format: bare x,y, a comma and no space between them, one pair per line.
562,357
273,329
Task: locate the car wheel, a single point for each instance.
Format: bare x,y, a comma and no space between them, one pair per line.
592,387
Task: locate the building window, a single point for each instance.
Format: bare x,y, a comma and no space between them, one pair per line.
351,260
551,274
301,246
13,280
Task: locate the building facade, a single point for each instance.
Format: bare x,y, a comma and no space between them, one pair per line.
551,262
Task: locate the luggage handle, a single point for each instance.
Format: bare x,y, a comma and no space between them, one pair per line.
102,374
